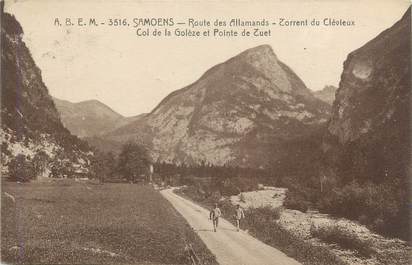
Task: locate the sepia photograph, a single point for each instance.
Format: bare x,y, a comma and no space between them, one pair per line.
233,132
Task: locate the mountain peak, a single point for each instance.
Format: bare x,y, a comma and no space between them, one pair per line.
327,94
329,88
258,53
262,62
88,118
259,50
231,114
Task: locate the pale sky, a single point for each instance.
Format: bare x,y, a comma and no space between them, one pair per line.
132,74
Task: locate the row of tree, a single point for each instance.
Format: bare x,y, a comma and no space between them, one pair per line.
131,165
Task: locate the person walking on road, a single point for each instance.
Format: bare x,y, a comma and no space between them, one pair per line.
239,215
214,215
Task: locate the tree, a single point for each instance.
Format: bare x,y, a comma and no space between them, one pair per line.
102,165
21,169
40,162
134,161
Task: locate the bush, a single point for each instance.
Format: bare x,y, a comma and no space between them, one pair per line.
266,214
191,192
345,201
234,185
21,169
381,207
296,201
336,234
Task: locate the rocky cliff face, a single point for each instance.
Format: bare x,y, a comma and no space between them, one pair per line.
369,132
30,121
25,100
327,94
238,113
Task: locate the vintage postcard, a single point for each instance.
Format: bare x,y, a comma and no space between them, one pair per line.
232,132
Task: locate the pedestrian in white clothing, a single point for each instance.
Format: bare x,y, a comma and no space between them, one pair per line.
214,215
239,215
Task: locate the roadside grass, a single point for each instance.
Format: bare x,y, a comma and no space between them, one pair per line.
67,222
345,239
261,223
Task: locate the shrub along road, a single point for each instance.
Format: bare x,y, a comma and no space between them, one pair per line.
229,246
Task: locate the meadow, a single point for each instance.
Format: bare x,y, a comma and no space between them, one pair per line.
69,222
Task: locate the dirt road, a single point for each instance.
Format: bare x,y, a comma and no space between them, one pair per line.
229,246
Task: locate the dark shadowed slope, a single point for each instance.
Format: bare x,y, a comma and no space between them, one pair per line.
368,137
30,123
